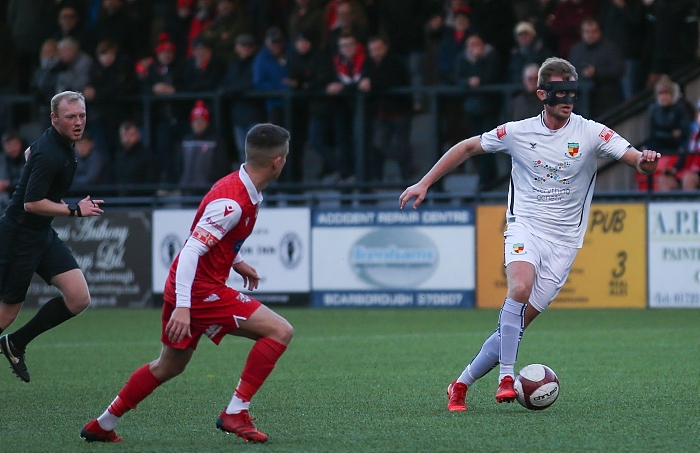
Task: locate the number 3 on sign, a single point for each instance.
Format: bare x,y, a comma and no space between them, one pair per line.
621,260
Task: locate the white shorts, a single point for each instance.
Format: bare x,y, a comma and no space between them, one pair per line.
552,262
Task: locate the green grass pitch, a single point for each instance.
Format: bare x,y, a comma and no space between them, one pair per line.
370,380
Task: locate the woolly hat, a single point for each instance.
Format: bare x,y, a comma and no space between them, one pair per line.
463,10
199,111
164,43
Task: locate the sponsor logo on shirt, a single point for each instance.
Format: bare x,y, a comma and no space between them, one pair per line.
216,226
518,249
552,172
573,150
552,193
606,134
501,131
228,209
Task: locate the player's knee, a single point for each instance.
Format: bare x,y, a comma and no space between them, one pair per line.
77,304
519,292
284,332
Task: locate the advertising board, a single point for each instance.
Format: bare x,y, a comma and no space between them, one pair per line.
113,251
392,258
674,255
609,271
278,249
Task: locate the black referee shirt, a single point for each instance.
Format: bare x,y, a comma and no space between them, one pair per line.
47,174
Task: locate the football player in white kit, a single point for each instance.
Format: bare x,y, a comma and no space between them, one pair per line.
554,162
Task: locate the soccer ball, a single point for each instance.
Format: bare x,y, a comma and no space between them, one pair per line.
536,387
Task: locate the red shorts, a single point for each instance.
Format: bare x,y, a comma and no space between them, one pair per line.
215,314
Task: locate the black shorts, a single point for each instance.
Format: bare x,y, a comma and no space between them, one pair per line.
23,252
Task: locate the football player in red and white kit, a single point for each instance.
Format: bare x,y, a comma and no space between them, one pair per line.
197,302
554,163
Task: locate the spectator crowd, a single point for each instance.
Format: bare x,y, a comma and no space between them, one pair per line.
115,50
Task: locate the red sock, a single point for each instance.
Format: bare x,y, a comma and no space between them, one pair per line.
140,384
260,363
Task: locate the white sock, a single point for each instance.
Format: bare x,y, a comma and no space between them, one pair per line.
483,362
511,324
107,421
236,405
506,370
466,377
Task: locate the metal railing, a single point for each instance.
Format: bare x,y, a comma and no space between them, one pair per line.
219,102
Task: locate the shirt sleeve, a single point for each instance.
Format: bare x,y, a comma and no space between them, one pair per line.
496,139
219,217
42,175
610,144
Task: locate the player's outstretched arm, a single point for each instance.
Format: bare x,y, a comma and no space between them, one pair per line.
87,207
645,162
90,207
448,162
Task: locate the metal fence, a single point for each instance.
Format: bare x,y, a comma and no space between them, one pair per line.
313,194
146,105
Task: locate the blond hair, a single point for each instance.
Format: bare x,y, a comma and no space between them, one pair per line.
554,66
69,96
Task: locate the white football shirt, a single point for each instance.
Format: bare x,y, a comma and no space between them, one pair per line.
553,173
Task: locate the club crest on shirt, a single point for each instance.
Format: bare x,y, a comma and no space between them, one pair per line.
518,249
572,151
606,134
501,131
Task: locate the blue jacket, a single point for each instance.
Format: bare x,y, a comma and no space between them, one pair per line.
268,74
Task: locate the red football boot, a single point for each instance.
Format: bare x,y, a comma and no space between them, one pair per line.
93,432
505,392
457,394
241,425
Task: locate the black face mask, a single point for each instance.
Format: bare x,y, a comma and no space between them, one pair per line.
568,88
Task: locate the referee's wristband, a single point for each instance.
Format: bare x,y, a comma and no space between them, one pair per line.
73,208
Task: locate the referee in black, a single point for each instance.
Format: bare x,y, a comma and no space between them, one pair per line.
29,244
